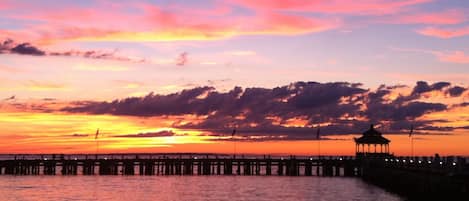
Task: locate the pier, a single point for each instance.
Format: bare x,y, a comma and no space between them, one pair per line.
418,178
151,164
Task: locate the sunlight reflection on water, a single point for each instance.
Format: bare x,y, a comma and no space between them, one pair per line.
128,188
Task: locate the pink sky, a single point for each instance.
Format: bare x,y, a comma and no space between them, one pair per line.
58,54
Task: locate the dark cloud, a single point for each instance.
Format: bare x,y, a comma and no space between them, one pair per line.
10,98
49,99
27,49
11,47
79,135
97,55
456,91
343,107
423,87
182,59
185,102
6,46
465,104
165,133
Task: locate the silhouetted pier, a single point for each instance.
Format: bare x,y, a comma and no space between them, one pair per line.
151,164
418,178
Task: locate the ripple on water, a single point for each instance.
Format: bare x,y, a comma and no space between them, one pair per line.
124,188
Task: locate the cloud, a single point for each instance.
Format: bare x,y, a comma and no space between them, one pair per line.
444,32
423,87
182,59
153,23
44,86
126,84
241,53
465,104
290,111
27,49
98,55
359,7
458,57
10,98
456,91
452,57
164,133
146,22
11,47
79,135
94,67
453,16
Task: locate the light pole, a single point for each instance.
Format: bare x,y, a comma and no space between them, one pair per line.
411,140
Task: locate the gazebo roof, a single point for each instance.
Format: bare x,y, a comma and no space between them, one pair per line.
372,136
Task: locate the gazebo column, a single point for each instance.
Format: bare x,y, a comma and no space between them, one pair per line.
375,147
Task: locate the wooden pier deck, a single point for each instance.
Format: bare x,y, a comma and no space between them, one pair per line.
154,164
188,165
418,178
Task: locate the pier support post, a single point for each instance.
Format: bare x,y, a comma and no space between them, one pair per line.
268,167
308,168
280,168
128,168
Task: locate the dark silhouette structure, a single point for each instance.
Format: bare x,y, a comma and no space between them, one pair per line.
367,145
417,178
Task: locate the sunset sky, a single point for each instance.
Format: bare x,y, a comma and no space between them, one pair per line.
178,76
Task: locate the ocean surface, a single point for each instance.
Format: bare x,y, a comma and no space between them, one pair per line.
130,188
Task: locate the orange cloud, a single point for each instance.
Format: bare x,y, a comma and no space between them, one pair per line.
44,86
444,33
178,22
280,24
156,24
183,30
31,132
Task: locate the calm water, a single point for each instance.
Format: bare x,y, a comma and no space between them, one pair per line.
129,188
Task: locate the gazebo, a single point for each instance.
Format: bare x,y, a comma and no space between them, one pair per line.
368,143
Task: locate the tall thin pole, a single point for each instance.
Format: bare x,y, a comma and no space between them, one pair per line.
412,146
411,140
234,142
97,142
319,141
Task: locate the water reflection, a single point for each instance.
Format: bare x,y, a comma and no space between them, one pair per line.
125,188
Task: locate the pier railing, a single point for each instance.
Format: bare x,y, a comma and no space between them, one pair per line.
211,164
188,164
